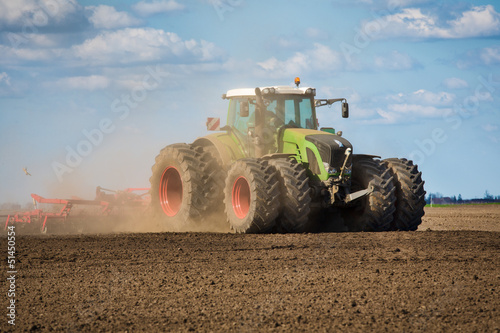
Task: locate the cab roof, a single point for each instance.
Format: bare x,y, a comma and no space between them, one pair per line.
277,90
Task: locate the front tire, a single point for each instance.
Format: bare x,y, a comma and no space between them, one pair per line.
295,195
251,196
410,194
373,212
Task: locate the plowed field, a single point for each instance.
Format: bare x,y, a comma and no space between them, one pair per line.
445,277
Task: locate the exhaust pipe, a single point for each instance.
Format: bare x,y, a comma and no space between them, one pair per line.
259,124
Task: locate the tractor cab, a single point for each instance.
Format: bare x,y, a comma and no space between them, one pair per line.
284,107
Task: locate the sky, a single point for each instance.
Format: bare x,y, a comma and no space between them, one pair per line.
91,91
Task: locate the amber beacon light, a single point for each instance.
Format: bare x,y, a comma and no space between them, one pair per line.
297,81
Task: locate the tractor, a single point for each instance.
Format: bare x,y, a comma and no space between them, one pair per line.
271,169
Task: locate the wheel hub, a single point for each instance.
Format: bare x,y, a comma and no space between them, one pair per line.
241,197
171,191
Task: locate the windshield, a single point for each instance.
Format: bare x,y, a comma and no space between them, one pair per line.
290,110
293,110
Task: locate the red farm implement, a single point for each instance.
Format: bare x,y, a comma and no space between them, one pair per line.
106,202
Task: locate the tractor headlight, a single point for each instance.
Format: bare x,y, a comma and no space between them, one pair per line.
329,169
266,91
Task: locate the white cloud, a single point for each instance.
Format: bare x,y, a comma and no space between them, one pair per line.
424,97
286,43
480,21
124,46
386,4
485,56
419,110
157,6
395,61
350,94
144,45
396,113
412,22
92,82
431,98
455,83
324,58
490,127
18,55
494,139
4,77
295,64
106,17
490,55
43,40
321,59
37,13
420,104
313,33
13,11
409,22
404,3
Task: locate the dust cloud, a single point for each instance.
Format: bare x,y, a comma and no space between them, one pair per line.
86,220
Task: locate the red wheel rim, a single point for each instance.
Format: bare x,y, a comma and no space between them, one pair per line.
171,191
241,197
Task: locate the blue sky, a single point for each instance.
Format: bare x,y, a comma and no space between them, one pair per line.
90,91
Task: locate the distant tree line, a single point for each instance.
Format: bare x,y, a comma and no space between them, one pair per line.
438,199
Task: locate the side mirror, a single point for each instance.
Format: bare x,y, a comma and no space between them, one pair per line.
345,110
244,109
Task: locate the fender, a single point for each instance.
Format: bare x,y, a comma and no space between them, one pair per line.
225,145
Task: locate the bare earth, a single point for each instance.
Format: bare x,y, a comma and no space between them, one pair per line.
444,278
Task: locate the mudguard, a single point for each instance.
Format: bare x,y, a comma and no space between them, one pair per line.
227,146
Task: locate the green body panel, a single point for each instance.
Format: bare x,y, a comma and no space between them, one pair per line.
294,142
230,149
227,145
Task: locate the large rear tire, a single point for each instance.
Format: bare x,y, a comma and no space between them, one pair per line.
251,196
215,174
180,185
373,212
295,195
410,193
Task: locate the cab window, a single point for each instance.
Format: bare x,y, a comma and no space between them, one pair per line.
235,119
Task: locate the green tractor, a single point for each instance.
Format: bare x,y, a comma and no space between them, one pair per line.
270,169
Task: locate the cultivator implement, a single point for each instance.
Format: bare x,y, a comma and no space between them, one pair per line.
106,200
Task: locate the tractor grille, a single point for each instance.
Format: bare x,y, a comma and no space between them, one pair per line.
331,149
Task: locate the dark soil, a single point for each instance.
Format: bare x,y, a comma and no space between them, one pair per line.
396,281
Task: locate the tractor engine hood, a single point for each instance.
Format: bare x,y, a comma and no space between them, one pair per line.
331,149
